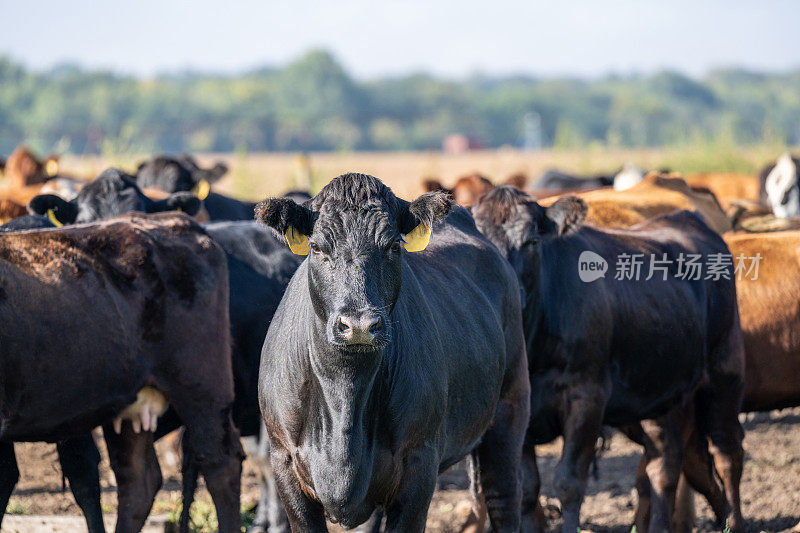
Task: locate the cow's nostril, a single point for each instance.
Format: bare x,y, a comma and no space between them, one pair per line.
376,326
343,326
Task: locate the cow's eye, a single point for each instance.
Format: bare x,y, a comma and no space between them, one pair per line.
313,246
395,246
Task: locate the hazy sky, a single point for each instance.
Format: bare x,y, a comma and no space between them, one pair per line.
373,37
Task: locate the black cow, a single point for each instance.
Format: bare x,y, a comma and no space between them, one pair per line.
111,194
27,222
615,351
555,180
259,269
113,320
175,174
382,367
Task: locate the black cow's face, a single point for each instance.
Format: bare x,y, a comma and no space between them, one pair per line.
113,193
355,233
176,174
354,268
517,225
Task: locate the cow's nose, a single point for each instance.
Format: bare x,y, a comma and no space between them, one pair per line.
359,329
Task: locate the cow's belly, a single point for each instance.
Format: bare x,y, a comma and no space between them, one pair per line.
646,381
642,386
61,385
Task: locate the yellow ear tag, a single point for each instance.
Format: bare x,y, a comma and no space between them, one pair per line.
52,218
417,239
298,243
201,189
51,168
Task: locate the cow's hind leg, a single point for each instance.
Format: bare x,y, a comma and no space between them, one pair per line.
641,519
582,423
79,459
698,473
188,485
718,418
9,475
718,405
499,455
135,465
532,512
213,443
662,454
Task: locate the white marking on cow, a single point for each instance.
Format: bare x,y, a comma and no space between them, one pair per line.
65,188
629,176
783,193
144,412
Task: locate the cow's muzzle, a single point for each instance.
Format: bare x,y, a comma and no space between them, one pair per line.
359,330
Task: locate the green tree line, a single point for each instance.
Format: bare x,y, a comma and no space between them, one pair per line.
314,104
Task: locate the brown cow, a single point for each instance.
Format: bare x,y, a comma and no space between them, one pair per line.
129,311
27,177
770,316
23,168
467,189
657,194
9,209
728,187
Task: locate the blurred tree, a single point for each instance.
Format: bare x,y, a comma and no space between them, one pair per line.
314,104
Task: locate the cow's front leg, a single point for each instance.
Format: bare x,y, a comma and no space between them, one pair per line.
304,514
583,417
408,511
9,475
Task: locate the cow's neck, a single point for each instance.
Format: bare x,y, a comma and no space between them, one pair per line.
533,311
347,415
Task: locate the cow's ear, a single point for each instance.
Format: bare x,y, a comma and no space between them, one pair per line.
567,214
416,219
295,222
55,208
214,173
204,177
179,201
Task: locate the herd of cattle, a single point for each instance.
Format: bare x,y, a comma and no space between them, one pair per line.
391,339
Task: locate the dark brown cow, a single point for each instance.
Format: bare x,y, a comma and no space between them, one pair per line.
106,323
9,210
23,168
467,189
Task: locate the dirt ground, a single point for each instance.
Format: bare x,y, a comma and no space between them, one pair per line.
770,486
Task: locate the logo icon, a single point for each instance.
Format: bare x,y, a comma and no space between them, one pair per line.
591,266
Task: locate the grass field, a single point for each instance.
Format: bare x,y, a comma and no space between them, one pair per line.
262,174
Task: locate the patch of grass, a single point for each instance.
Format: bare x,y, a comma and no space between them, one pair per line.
17,508
203,517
